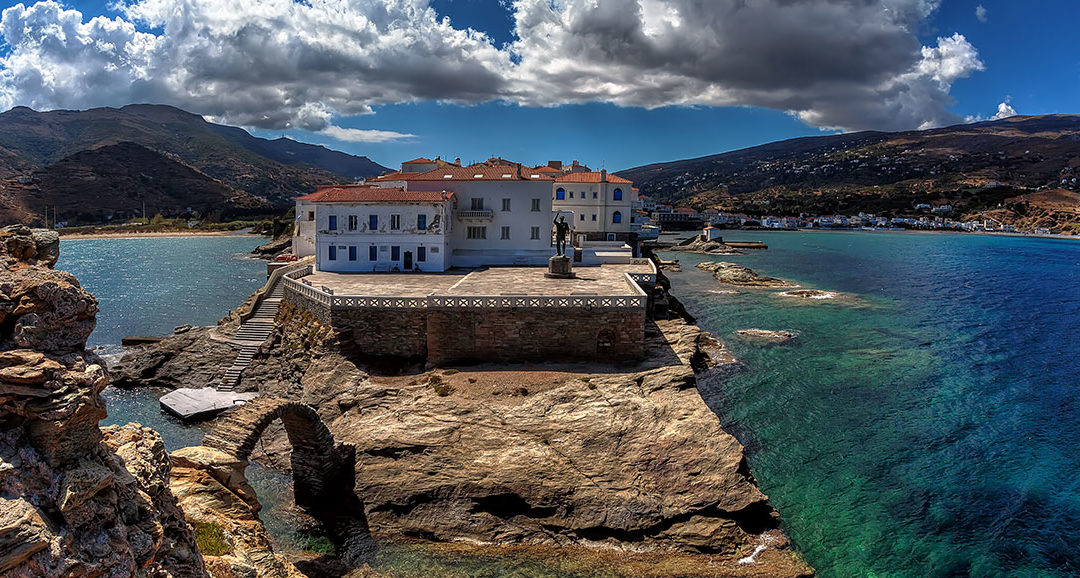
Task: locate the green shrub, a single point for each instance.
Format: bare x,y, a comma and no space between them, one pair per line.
451,371
211,540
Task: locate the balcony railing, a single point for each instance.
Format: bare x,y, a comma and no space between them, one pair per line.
483,214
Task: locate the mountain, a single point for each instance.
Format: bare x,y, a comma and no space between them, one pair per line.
1019,170
122,179
276,170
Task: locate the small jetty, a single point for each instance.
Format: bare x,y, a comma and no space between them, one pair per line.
191,404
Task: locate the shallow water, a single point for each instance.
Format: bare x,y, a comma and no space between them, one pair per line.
929,424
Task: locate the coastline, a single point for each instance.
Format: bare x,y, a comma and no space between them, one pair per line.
150,235
923,231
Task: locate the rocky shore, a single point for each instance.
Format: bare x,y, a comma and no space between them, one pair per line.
77,499
700,245
558,456
739,276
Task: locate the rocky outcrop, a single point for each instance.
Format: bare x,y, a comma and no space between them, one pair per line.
74,500
732,274
220,504
559,455
703,246
766,336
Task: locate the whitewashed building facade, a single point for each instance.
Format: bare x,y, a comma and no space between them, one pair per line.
602,204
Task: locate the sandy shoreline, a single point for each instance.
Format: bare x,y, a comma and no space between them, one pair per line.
148,235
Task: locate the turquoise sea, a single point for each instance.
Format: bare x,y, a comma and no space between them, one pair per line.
924,423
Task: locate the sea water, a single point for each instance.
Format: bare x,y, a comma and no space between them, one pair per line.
926,421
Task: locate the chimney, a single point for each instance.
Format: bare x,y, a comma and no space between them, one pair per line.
603,175
457,161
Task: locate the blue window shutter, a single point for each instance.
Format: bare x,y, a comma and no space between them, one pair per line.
421,222
373,222
333,223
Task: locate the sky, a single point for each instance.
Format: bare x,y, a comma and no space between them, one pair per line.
612,83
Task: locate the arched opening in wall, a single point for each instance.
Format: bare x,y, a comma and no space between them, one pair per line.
560,194
616,217
618,194
605,342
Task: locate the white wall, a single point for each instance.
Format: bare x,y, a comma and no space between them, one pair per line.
520,248
408,238
303,241
603,206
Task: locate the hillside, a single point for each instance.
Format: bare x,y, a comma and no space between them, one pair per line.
123,178
276,170
1001,166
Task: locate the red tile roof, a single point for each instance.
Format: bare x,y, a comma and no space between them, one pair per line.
591,177
471,173
420,160
373,194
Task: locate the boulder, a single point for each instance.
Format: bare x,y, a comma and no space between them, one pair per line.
732,274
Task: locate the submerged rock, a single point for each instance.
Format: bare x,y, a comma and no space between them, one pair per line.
766,336
809,294
740,276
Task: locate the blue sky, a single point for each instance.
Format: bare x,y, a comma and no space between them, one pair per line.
572,80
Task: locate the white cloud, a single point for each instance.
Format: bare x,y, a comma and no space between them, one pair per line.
276,64
1005,110
361,135
980,13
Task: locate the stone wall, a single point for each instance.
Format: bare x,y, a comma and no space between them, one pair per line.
384,332
474,335
320,310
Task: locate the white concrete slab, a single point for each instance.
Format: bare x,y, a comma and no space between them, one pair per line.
187,403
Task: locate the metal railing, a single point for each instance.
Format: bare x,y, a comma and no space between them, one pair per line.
481,214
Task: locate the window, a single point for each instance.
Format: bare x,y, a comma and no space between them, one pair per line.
395,222
373,222
332,255
352,222
560,194
476,233
618,194
352,252
478,204
333,223
421,254
421,222
506,204
395,253
311,215
373,253
536,205
534,233
595,195
616,217
594,216
505,233
611,236
582,217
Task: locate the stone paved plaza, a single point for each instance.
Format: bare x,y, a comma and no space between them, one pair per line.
495,281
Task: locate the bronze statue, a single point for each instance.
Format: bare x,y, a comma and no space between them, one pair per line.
562,231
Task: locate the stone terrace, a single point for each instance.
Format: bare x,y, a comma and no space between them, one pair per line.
595,280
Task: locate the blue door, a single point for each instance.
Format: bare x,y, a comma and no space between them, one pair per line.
395,253
352,252
373,253
333,253
421,254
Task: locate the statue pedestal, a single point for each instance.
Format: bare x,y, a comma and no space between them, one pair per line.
559,267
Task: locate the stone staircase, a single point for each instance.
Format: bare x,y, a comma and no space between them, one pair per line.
251,335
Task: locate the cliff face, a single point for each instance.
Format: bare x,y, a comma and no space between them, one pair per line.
75,500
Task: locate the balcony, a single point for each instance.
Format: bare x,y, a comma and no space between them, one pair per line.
481,215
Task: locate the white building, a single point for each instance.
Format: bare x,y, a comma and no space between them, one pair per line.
354,228
602,204
503,214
